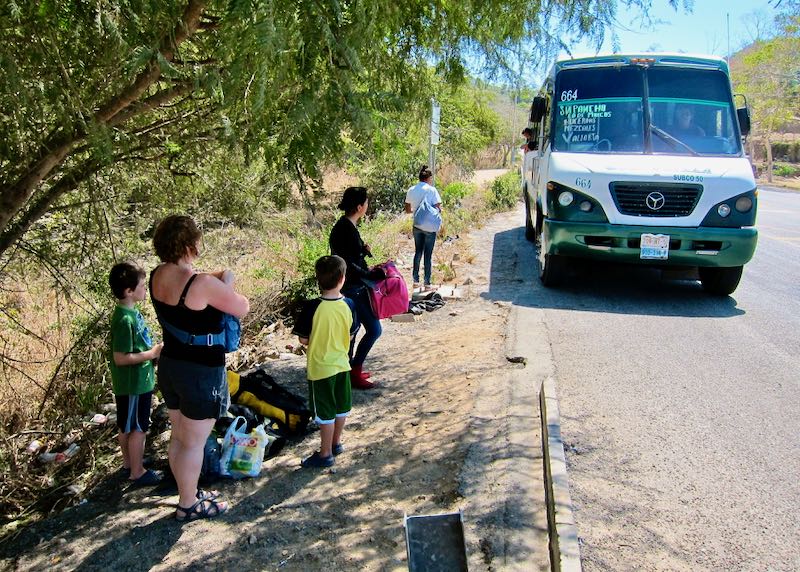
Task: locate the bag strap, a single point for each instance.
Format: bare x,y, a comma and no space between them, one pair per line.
182,301
188,339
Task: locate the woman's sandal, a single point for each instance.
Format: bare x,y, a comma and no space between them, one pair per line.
207,495
203,508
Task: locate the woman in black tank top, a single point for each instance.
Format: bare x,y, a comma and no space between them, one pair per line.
191,378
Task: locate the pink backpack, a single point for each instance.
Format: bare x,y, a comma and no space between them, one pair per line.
389,296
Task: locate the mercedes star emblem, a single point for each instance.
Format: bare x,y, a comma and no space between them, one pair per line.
654,201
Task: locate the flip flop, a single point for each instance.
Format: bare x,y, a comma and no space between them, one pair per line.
149,478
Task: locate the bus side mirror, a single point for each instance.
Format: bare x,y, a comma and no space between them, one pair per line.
743,115
538,108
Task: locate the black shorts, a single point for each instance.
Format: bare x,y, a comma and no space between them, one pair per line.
197,391
133,412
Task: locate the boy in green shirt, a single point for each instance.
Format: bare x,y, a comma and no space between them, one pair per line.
131,367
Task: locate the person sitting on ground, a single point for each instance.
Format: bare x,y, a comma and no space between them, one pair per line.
131,364
326,325
684,125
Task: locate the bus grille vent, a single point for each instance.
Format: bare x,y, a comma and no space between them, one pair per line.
655,199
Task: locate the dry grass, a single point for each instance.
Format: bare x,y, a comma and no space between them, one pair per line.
41,327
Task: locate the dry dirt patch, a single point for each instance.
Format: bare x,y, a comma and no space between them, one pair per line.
406,447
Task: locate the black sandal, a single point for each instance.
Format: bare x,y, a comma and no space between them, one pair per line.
207,495
203,508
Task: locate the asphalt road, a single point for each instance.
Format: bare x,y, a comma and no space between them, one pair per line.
680,411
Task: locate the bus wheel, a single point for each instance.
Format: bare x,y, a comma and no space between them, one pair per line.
720,281
551,269
530,232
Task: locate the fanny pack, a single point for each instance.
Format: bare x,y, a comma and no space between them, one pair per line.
228,337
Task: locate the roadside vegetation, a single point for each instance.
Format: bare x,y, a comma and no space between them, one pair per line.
252,121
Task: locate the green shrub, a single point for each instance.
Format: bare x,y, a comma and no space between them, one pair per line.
786,170
311,247
455,192
505,191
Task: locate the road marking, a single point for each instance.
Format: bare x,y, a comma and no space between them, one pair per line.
793,240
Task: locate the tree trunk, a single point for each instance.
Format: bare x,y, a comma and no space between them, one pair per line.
14,198
768,150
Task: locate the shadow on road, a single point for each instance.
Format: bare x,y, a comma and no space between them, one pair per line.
597,287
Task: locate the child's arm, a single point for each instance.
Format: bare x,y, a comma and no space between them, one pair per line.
122,358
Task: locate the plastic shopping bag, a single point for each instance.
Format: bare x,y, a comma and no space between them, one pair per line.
242,453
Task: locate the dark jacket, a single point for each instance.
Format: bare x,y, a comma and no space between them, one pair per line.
345,241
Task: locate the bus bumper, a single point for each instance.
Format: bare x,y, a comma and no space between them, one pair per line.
688,246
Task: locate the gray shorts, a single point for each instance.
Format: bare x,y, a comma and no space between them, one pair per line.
198,391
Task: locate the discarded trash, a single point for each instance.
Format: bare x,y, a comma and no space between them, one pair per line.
517,359
33,447
74,490
108,407
47,457
99,419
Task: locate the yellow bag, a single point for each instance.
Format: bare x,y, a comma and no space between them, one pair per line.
258,391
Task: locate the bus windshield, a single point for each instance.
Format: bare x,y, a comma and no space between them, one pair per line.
601,110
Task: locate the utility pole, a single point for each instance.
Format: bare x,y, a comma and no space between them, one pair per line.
512,147
434,135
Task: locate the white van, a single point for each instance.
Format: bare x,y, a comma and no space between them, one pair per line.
638,158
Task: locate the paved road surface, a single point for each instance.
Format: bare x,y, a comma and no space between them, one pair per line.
680,411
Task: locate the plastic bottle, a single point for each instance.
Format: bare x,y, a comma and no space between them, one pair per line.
33,447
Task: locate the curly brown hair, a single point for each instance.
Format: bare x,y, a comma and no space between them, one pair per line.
175,236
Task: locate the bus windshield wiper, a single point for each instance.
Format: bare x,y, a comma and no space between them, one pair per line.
672,140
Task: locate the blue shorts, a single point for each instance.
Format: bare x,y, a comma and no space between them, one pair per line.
330,397
197,391
133,412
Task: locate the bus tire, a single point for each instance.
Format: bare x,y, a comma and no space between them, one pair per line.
530,231
551,270
720,281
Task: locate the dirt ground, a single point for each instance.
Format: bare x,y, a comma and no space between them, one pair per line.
432,438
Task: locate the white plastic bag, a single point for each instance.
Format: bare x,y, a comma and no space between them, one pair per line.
242,453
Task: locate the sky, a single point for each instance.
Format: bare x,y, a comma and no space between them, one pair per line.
704,30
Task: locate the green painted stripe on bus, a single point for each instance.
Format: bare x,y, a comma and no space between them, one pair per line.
692,101
601,100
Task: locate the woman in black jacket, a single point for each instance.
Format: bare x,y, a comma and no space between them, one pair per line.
345,241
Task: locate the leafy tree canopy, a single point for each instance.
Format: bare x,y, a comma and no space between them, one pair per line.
90,88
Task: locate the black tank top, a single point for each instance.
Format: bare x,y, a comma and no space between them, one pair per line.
206,321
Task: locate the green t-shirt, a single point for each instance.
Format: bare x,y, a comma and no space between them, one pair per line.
129,334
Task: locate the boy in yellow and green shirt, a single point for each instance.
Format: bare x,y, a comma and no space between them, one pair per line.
326,325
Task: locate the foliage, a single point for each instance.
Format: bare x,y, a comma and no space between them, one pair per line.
786,170
769,73
90,85
454,193
505,191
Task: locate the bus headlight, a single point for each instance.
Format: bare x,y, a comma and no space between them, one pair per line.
565,198
723,210
744,204
585,206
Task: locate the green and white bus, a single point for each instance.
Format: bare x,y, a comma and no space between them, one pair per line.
638,158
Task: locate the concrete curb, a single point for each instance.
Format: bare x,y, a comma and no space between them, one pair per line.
565,555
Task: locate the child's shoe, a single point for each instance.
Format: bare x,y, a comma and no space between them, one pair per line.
358,380
315,461
338,449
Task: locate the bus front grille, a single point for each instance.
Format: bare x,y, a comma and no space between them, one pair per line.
655,199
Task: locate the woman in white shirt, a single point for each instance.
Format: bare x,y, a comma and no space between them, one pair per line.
424,239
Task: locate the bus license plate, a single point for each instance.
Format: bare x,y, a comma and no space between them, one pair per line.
654,247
